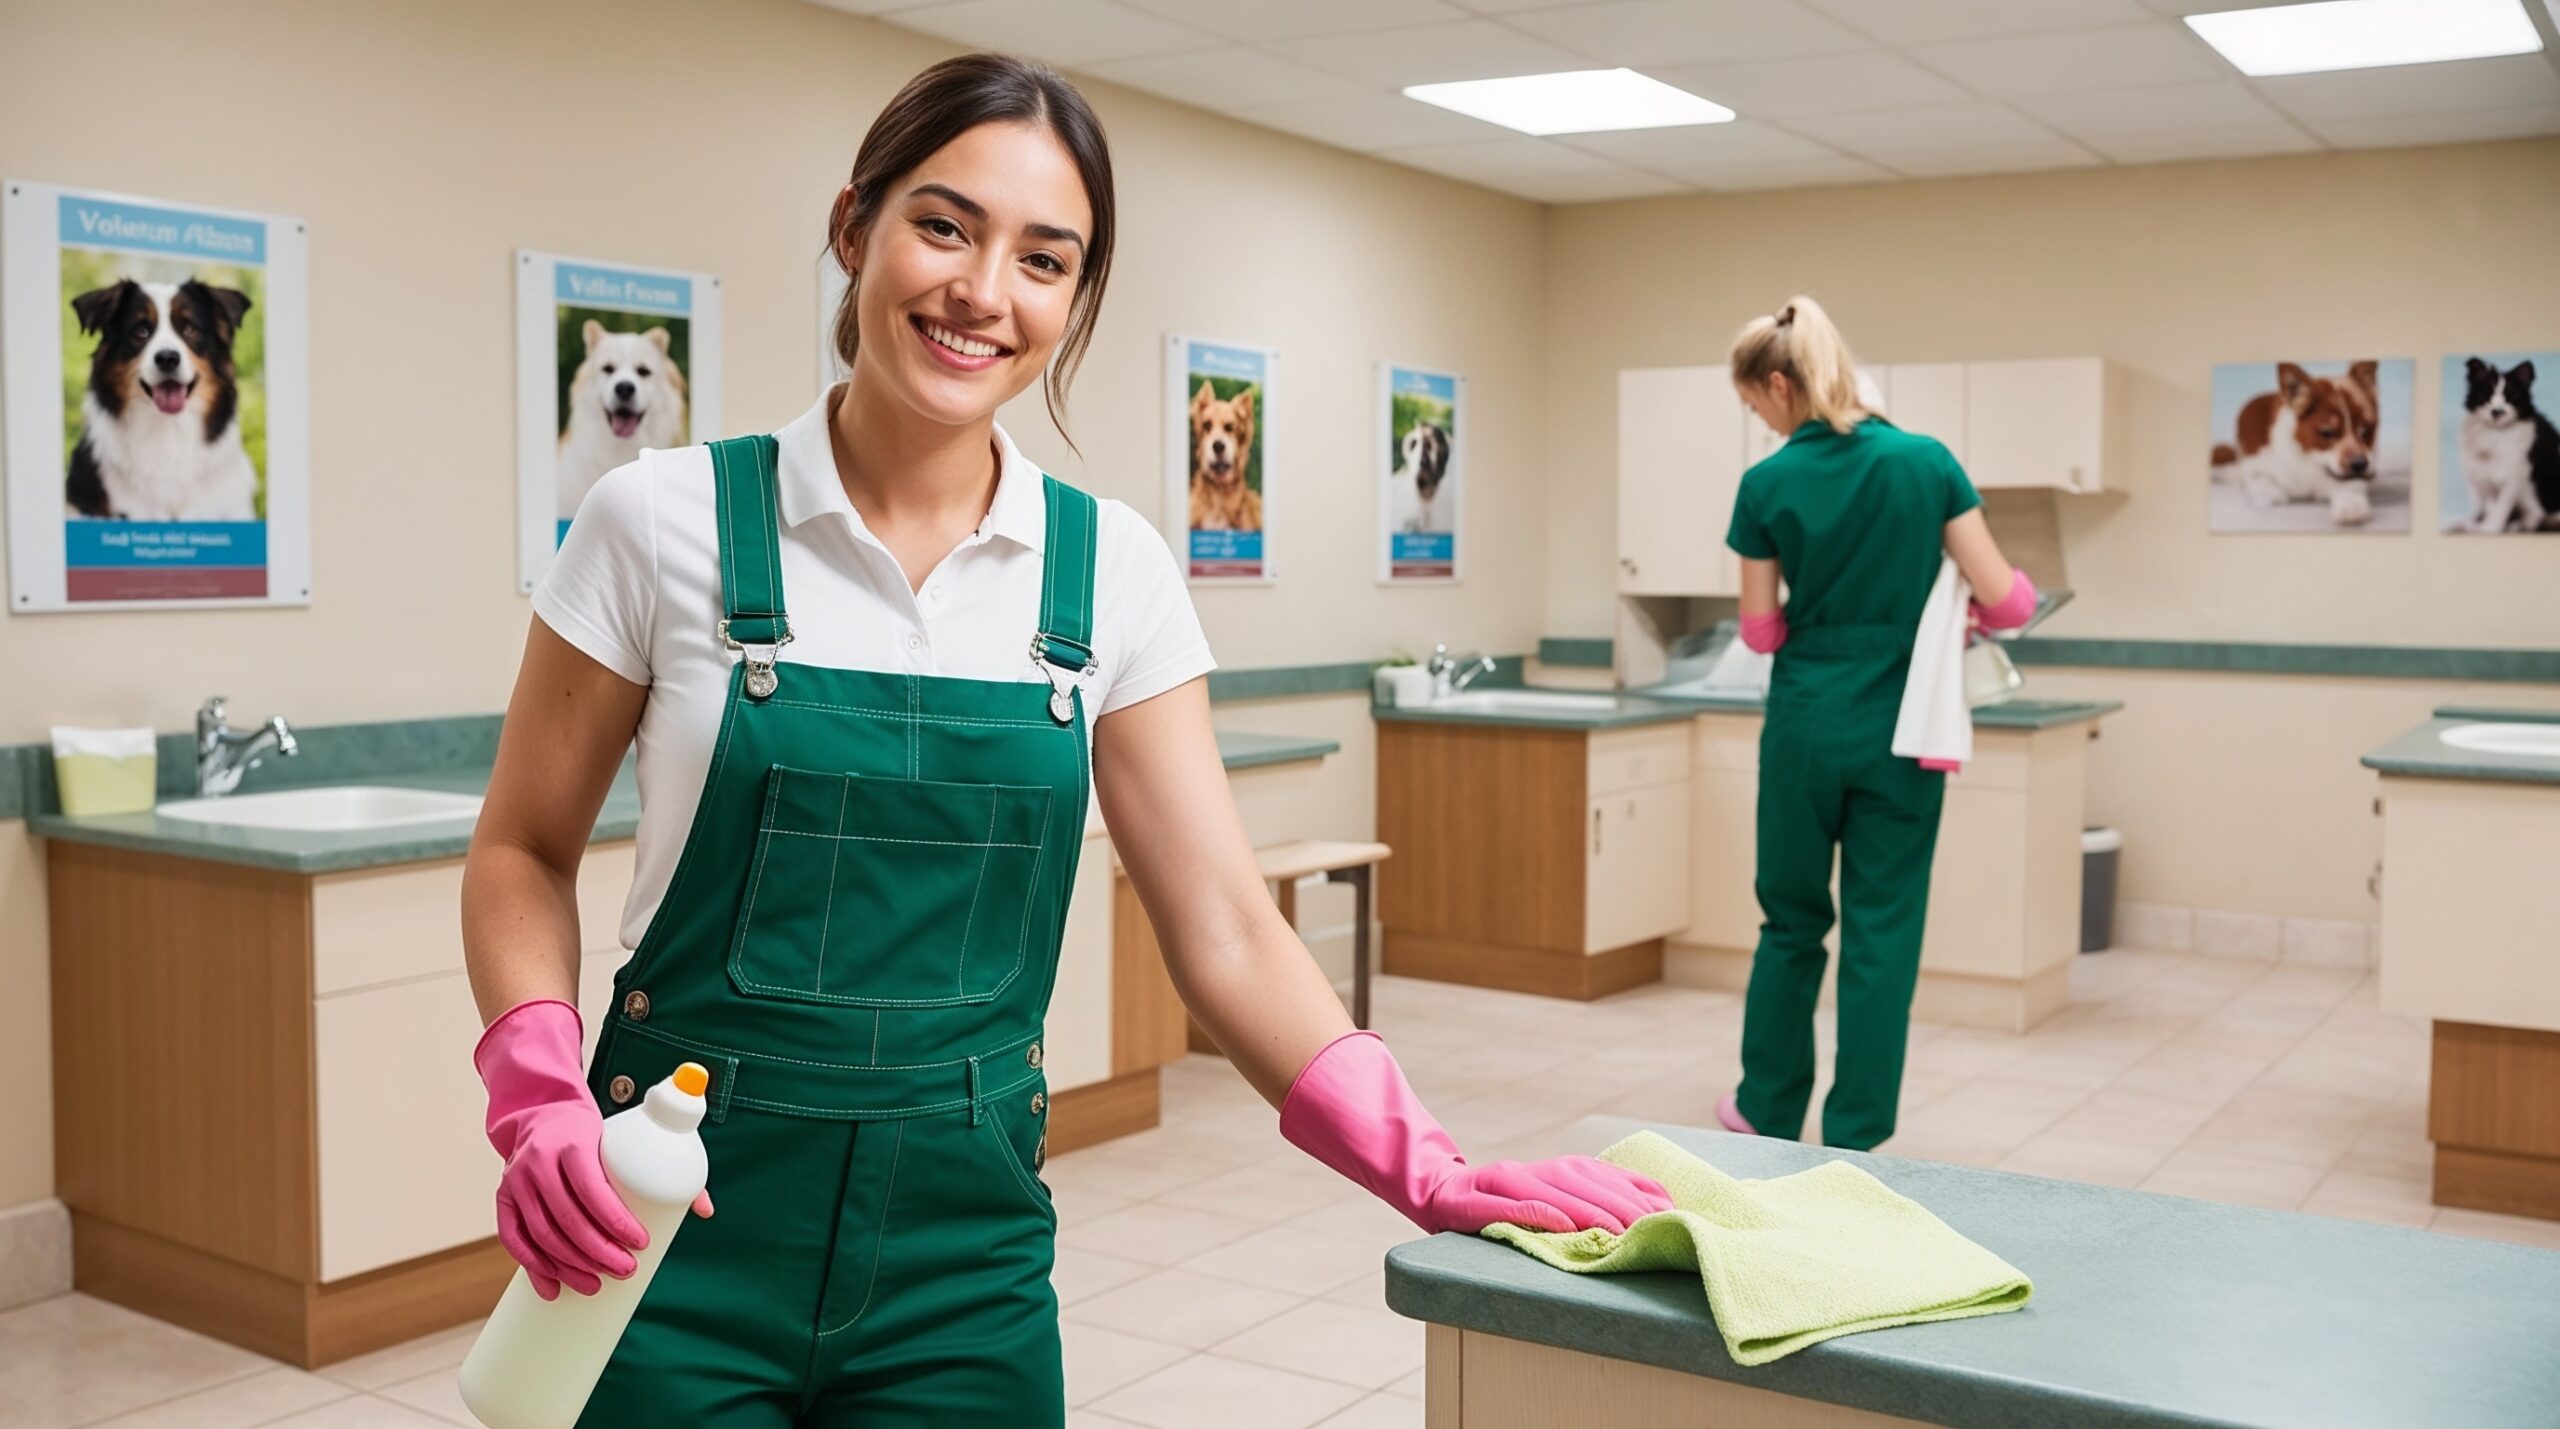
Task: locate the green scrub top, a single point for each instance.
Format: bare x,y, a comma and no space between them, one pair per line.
1856,522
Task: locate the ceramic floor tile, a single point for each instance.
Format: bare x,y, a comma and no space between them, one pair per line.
2310,1129
75,1359
1293,1259
1079,1273
2364,1196
1368,1288
2244,1180
2481,1225
1081,1203
1099,1361
438,1393
364,1411
1379,1411
1269,1193
1410,1386
1369,1348
441,1350
2096,1160
1087,1419
1182,1308
1208,1389
1117,1171
259,1399
1156,1233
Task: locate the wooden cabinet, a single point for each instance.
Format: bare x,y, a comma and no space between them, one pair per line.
1683,441
1541,860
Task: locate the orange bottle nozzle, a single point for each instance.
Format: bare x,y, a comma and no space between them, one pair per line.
692,1079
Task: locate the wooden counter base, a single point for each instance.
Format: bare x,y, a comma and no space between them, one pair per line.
2493,1110
1547,973
1991,1004
1473,1380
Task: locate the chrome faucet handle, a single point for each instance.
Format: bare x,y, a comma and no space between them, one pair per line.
211,722
1439,658
286,745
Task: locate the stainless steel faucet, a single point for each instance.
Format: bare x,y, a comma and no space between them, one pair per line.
1451,674
223,754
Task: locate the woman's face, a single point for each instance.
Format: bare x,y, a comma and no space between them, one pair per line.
966,277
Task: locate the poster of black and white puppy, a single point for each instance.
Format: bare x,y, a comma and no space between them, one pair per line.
2501,469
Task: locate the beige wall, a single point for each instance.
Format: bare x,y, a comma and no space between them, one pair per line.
2168,270
424,142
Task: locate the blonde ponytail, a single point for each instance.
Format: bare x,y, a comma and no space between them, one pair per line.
1801,342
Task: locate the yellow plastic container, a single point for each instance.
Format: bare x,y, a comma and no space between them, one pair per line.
105,771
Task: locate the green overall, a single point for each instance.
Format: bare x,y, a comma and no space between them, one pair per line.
1857,524
859,941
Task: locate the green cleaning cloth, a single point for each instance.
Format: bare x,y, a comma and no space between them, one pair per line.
1791,1261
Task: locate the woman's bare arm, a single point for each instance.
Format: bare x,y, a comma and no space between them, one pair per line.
568,725
1759,587
1978,557
1239,966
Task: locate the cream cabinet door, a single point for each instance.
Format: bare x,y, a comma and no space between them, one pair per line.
1929,398
1680,442
1076,1038
2037,424
1636,876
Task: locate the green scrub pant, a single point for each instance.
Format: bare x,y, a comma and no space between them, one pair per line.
1828,780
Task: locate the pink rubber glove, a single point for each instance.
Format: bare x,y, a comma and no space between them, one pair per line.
2013,609
1352,1109
1765,633
557,1214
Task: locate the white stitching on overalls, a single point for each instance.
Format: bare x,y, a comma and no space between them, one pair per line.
986,853
880,1234
835,853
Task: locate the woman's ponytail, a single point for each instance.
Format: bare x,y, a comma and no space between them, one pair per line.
1800,341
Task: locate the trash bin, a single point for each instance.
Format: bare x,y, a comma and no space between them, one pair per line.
2100,849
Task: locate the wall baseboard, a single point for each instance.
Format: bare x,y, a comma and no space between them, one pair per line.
35,1253
2321,942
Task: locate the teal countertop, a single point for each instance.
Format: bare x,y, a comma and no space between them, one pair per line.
1624,712
315,851
2421,754
2149,1310
2011,714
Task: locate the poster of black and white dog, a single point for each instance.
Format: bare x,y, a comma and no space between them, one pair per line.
155,457
1421,494
2500,471
611,361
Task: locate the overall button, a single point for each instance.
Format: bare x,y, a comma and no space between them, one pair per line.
1032,1055
1039,1103
635,1005
621,1089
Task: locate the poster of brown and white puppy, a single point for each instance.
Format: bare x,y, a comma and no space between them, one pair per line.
611,362
2311,447
1218,465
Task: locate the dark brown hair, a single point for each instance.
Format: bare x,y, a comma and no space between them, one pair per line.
947,101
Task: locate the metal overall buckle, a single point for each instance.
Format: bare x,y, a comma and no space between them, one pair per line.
1062,701
761,679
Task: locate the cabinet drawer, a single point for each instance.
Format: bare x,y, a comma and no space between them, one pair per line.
1637,758
404,1167
1636,880
1725,741
406,922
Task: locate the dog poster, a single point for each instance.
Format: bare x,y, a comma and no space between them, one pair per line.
1218,457
158,364
2311,447
2500,472
1420,494
610,361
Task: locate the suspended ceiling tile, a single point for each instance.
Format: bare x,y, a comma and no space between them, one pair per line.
1227,80
1904,22
1831,84
2127,55
1060,32
1646,33
1431,54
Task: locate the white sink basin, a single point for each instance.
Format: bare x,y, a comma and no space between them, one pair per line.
2539,739
337,808
1500,702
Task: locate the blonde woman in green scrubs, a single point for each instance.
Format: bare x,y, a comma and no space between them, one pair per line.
1853,515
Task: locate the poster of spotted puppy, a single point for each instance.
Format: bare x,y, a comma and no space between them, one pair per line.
611,361
1421,462
158,422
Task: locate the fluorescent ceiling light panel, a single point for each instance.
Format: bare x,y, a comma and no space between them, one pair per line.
1583,101
2366,34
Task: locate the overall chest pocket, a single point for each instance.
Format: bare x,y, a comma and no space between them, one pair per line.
872,892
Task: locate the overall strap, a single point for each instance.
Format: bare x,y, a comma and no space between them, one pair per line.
742,474
1066,578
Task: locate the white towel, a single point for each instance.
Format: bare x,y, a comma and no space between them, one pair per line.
1935,723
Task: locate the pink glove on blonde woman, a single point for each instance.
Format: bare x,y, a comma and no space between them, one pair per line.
1352,1109
2013,609
1765,633
557,1214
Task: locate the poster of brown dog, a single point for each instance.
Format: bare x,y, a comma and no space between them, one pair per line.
1218,396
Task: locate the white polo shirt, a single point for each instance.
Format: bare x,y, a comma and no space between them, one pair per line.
637,587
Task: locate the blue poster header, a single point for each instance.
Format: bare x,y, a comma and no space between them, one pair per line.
1208,359
94,545
623,288
141,228
1438,386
